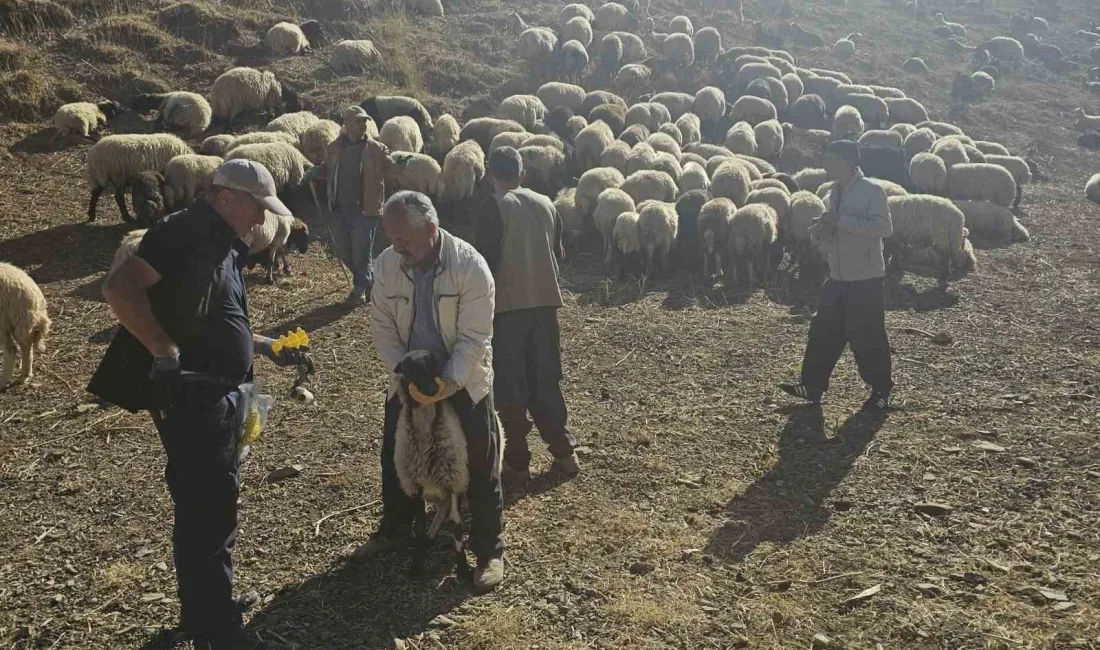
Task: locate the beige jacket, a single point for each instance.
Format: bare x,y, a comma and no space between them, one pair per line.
464,297
854,246
377,166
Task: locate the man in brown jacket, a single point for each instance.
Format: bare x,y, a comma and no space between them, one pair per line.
356,166
518,232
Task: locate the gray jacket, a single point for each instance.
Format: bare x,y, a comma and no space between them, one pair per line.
854,247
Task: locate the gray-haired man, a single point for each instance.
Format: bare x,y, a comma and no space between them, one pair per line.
433,291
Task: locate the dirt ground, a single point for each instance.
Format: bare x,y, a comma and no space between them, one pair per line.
710,513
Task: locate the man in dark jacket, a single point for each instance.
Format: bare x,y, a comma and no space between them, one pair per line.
851,310
519,235
184,314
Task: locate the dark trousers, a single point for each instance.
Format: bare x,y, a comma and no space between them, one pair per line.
527,378
852,313
203,474
486,494
353,237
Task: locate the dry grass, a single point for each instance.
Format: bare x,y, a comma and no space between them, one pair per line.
748,521
13,55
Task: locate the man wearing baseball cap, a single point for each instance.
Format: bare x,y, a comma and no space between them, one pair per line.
356,167
183,310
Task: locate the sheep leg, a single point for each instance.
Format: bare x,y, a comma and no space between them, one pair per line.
441,513
269,264
7,346
120,198
96,191
1019,195
423,542
26,370
285,260
945,271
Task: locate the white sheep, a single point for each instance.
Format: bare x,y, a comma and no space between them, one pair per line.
708,151
779,200
922,218
673,131
185,177
847,123
632,78
263,137
117,159
904,130
741,139
1003,48
991,148
708,45
693,177
315,140
129,245
612,16
811,179
677,103
992,221
769,139
590,143
779,95
484,129
401,133
287,165
82,118
771,182
246,89
426,7
650,185
1018,167
187,112
555,94
268,242
752,233
806,207
463,169
544,167
951,151
690,127
664,143
709,104
354,56
1092,188
591,184
651,114
513,139
732,181
528,110
757,167
418,172
658,225
284,39
981,182
382,108
217,145
681,25
617,155
609,205
845,47
888,92
633,48
928,173
669,164
627,241
24,323
578,29
575,125
920,141
982,84
713,234
881,138
292,123
942,129
678,50
753,110
752,71
575,10
572,222
890,188
873,109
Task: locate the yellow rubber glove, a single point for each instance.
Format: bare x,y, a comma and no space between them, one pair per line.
426,400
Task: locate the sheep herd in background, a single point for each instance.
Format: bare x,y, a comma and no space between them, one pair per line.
725,180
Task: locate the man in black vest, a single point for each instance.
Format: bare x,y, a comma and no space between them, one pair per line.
184,348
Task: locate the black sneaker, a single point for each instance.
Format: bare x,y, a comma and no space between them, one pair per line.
802,391
878,401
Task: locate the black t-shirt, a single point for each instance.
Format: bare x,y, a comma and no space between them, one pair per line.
192,249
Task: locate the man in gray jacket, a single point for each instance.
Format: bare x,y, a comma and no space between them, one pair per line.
518,232
851,308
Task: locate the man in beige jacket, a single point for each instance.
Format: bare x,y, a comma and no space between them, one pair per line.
357,167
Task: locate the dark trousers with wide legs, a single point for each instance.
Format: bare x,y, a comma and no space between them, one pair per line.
527,378
486,494
203,474
854,314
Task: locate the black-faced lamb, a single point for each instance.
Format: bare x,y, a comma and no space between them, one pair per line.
922,220
268,242
713,229
116,160
84,118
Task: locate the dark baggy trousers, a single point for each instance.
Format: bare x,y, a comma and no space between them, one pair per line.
203,474
527,378
852,313
486,493
353,237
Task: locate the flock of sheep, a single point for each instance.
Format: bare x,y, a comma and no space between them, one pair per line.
723,180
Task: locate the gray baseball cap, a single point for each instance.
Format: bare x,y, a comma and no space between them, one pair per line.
356,112
252,177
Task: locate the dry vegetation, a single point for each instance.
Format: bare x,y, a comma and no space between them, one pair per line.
710,514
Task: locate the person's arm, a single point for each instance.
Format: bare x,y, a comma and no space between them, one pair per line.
383,323
875,223
476,307
489,232
387,167
559,229
125,290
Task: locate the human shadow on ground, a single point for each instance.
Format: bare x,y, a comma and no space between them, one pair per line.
65,252
313,319
789,501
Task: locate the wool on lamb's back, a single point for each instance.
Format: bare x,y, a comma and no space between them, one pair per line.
401,133
981,182
353,56
463,167
316,139
187,175
24,321
116,159
286,38
286,164
992,221
293,123
189,112
650,184
244,89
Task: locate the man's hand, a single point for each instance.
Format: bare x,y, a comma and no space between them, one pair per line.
165,375
443,393
286,356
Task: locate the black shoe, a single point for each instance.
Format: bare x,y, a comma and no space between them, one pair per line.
878,401
802,391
